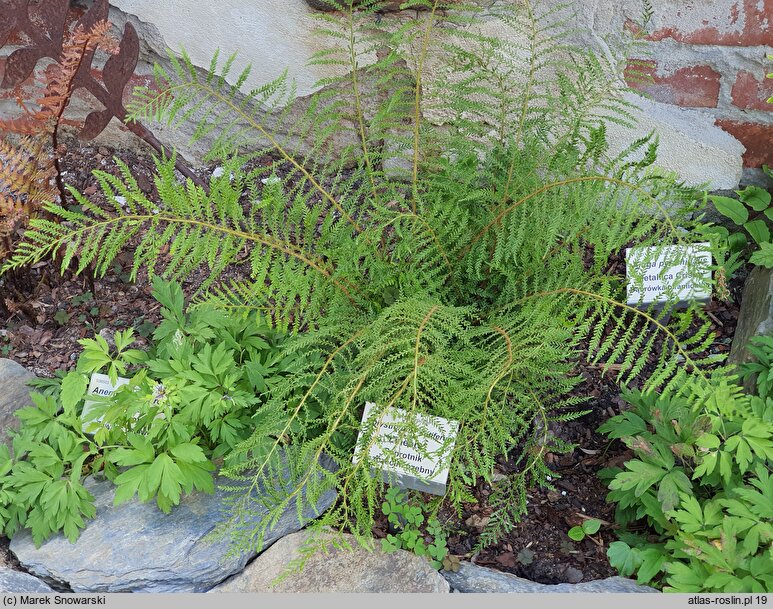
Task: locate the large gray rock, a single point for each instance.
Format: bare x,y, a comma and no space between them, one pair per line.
14,394
474,578
135,547
16,581
756,316
355,570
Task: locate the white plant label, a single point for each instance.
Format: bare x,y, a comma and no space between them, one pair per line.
424,461
665,273
99,385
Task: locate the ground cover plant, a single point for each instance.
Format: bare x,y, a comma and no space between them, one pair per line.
460,272
188,402
701,482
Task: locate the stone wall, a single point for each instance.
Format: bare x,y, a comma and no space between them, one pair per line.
712,55
705,61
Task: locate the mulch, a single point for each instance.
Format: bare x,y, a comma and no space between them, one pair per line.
43,314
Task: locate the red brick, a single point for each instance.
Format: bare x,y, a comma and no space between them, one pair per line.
693,86
757,138
756,30
750,93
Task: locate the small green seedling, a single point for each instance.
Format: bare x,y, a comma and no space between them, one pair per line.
407,520
589,527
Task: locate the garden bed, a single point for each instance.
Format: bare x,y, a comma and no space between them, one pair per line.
46,315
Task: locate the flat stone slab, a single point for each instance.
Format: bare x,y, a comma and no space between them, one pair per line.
14,394
134,547
16,581
474,578
355,570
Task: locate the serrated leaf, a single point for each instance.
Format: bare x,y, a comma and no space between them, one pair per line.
670,486
128,483
73,389
192,453
626,424
640,476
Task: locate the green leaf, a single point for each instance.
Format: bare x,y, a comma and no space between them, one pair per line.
623,558
671,485
128,483
73,389
731,208
625,424
652,560
707,440
755,197
591,526
165,475
758,230
737,242
641,476
763,256
189,452
576,533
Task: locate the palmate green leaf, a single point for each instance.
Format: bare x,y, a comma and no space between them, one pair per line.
128,483
685,578
142,451
639,478
671,485
652,563
29,483
626,424
167,476
188,452
197,476
623,557
759,500
743,454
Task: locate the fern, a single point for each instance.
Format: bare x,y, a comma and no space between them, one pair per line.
461,272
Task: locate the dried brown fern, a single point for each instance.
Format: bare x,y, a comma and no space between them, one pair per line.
29,170
26,182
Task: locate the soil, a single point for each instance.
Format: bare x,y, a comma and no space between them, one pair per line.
43,314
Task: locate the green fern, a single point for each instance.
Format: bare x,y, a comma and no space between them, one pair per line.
467,283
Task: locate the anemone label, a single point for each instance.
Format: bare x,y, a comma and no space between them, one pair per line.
411,451
677,274
99,385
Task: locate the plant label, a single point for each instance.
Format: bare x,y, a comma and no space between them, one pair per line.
419,461
99,385
671,273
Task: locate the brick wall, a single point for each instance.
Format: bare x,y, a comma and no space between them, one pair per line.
711,54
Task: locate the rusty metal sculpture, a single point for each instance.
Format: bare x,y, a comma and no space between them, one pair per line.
46,28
